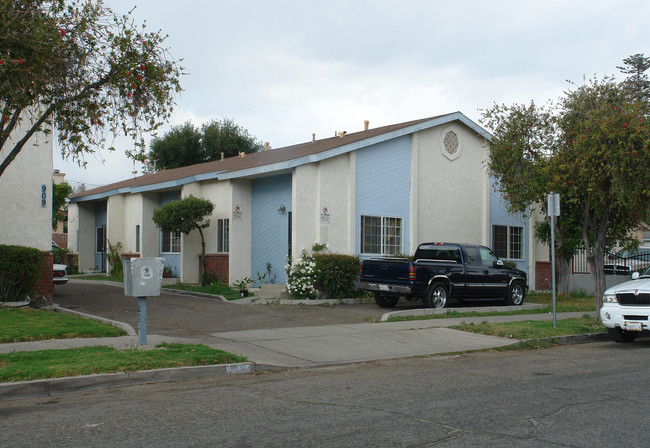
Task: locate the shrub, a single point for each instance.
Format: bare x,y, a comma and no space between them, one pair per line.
337,274
20,269
301,277
115,260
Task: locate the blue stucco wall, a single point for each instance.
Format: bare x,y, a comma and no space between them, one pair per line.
270,229
500,216
100,220
383,173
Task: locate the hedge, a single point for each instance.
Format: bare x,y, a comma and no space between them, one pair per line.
337,275
20,269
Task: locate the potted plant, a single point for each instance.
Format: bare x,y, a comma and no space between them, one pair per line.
242,285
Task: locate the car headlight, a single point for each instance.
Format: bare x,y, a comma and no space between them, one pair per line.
610,298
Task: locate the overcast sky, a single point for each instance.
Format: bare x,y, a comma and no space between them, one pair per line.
286,69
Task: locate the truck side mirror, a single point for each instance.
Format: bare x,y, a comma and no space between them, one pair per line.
498,264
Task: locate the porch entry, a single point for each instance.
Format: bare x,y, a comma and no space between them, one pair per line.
271,227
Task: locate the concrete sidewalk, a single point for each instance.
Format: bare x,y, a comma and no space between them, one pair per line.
297,347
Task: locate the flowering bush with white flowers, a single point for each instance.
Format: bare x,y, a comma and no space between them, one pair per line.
301,275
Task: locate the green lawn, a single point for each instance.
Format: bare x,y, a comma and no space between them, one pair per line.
25,366
28,324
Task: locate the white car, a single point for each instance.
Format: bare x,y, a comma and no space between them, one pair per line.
626,308
60,274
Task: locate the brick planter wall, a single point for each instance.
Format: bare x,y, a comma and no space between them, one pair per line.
543,275
45,286
217,265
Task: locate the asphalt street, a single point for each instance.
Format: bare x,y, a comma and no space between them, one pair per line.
586,395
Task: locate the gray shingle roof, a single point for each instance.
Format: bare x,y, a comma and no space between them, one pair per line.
228,166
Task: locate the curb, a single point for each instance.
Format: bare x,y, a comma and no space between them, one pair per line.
130,331
75,384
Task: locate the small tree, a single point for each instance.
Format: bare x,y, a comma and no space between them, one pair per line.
186,215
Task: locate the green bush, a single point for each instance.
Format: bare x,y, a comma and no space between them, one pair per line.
20,269
337,275
115,260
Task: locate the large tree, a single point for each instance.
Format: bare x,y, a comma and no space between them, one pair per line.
78,69
186,145
60,192
592,149
185,215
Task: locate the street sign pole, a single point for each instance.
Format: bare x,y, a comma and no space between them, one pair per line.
553,211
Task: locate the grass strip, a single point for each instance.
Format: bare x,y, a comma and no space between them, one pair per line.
535,334
29,324
27,366
215,289
562,305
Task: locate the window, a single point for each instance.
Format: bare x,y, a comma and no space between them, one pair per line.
137,237
507,242
223,235
171,242
100,239
381,235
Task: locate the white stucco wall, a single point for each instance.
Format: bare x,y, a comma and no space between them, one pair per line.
24,219
220,193
240,230
450,201
328,184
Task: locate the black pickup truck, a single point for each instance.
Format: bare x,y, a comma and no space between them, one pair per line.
442,271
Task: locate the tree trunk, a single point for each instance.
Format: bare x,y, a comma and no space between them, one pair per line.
203,275
563,276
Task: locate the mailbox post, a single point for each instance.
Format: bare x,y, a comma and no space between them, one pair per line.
142,278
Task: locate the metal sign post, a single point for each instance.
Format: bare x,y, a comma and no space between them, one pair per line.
553,211
142,320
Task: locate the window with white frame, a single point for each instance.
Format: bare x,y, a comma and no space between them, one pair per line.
223,235
171,242
381,235
508,242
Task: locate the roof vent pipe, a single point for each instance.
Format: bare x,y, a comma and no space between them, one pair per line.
266,146
313,137
366,125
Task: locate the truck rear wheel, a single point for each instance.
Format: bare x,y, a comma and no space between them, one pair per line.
385,301
436,296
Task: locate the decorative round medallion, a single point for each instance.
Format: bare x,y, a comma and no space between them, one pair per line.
451,143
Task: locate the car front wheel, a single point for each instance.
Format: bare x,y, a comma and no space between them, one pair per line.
515,294
620,335
436,296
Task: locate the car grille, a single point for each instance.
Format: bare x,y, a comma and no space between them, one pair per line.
631,299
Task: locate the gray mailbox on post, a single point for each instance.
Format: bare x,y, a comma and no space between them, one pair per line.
142,278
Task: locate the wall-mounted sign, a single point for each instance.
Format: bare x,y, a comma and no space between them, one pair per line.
43,195
325,215
236,212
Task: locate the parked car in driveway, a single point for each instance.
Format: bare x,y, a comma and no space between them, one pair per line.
626,308
624,261
442,271
60,274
